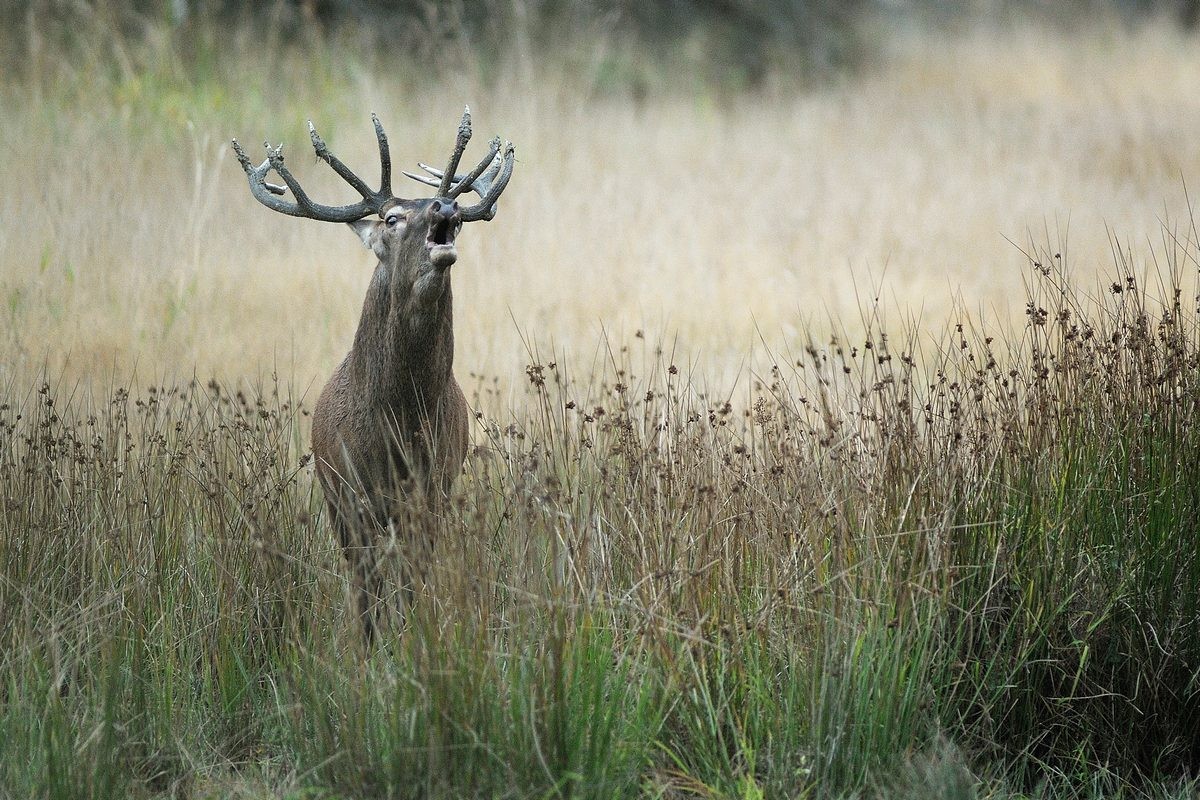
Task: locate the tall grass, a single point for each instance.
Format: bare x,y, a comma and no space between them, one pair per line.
973,562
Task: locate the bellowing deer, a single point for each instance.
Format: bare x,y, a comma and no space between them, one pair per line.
392,419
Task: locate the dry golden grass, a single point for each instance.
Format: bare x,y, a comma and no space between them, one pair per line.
705,220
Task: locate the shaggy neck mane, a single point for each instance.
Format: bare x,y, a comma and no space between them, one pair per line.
403,354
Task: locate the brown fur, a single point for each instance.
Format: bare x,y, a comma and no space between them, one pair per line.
392,420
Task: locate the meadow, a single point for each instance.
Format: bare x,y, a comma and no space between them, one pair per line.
834,438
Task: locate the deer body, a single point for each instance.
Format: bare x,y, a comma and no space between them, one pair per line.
392,420
397,377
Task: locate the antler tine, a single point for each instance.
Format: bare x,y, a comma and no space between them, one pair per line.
463,184
460,144
385,158
341,169
264,192
436,180
491,185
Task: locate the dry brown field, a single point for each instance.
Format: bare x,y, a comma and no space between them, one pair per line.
718,224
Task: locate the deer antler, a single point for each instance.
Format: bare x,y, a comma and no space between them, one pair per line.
488,179
267,193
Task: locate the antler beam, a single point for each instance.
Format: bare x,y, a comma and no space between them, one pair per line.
268,193
460,144
488,179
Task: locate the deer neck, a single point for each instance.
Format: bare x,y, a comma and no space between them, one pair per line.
403,354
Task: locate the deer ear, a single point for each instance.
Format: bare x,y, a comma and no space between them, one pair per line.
365,228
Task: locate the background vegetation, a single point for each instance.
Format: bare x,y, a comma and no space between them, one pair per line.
793,475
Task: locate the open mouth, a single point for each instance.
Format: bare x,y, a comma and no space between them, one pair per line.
441,232
440,242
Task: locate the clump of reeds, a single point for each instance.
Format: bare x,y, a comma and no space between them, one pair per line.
971,562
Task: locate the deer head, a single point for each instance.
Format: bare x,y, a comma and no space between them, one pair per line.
414,234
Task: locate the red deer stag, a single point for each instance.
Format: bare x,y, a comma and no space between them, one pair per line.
392,419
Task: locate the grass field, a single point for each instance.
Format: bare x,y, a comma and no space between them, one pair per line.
732,527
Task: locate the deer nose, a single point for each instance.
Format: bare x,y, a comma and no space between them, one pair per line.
445,209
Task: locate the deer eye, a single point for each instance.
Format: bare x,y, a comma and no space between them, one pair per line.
393,218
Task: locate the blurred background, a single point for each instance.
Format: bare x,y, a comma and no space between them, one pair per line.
720,178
